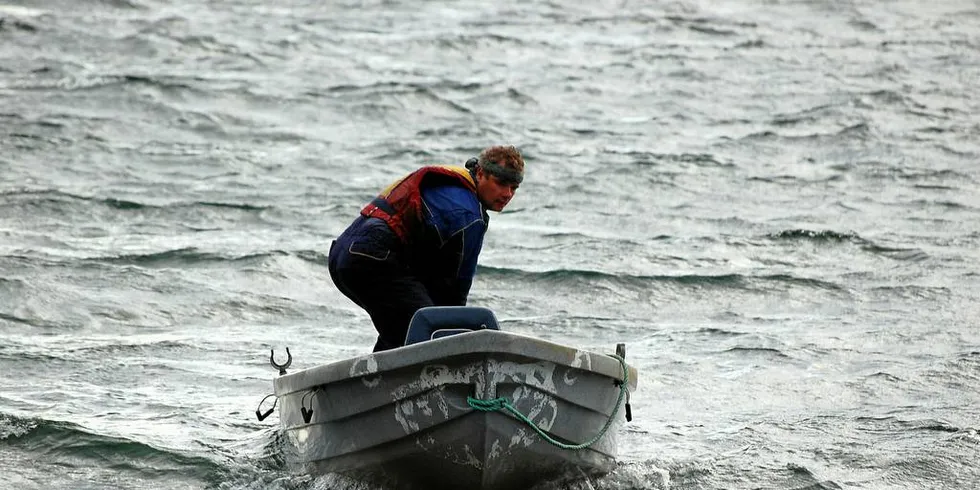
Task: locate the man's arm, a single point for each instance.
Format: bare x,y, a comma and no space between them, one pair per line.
455,216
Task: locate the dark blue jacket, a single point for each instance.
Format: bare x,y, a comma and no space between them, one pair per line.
442,256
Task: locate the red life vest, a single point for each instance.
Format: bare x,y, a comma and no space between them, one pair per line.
400,204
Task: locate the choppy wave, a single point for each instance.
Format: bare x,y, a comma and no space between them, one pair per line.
651,158
55,79
189,256
17,24
37,322
822,235
830,236
52,196
578,276
184,256
762,351
718,473
377,92
76,446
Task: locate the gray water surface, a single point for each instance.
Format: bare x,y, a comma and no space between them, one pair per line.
775,205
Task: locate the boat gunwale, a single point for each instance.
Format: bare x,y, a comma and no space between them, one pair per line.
481,342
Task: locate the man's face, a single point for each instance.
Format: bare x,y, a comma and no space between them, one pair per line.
492,192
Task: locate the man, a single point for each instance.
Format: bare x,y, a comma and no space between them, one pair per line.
417,243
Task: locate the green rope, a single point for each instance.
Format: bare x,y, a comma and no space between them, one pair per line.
503,403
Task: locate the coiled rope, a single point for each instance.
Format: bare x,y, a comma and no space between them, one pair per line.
503,403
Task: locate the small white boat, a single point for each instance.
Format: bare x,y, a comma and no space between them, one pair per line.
463,408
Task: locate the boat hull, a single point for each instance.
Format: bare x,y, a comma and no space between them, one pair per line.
401,418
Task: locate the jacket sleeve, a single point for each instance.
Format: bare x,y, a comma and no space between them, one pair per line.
455,216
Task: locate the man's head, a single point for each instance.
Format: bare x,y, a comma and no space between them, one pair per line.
499,172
